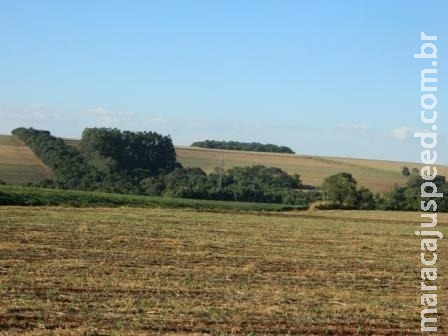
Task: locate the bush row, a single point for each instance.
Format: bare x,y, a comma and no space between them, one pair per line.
31,196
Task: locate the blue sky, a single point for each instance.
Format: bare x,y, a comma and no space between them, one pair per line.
323,77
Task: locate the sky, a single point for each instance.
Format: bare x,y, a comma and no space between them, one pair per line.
335,78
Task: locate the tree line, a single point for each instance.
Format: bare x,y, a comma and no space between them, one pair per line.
243,146
341,191
108,159
246,184
145,163
408,196
70,169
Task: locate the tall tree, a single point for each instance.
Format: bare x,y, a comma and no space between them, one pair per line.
341,189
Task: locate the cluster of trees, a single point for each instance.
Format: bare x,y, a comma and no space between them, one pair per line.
69,167
249,184
123,158
145,163
108,159
405,171
341,191
136,153
408,197
244,146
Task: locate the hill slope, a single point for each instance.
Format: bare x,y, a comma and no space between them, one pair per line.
378,176
18,164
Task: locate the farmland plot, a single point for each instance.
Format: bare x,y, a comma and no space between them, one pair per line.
122,271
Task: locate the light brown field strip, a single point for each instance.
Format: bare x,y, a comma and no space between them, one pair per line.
18,164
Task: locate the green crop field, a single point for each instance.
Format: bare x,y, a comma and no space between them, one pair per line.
131,271
19,195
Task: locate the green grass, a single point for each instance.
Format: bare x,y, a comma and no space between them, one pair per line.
15,195
123,271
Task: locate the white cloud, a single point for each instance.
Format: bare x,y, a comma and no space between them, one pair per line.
27,114
401,133
111,119
33,115
404,133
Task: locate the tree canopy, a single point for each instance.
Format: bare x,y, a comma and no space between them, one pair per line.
341,189
244,146
408,196
111,150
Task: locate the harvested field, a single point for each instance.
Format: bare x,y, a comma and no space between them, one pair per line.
18,164
68,271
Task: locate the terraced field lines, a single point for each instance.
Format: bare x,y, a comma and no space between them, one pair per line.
18,164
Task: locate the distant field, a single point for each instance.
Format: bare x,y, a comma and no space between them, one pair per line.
122,271
72,142
377,175
18,164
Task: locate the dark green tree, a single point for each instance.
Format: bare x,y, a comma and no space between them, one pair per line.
365,199
244,146
405,171
341,188
111,150
408,197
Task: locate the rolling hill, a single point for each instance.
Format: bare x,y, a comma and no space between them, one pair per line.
19,165
378,176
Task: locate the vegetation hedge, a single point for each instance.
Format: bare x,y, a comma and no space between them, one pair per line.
31,196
